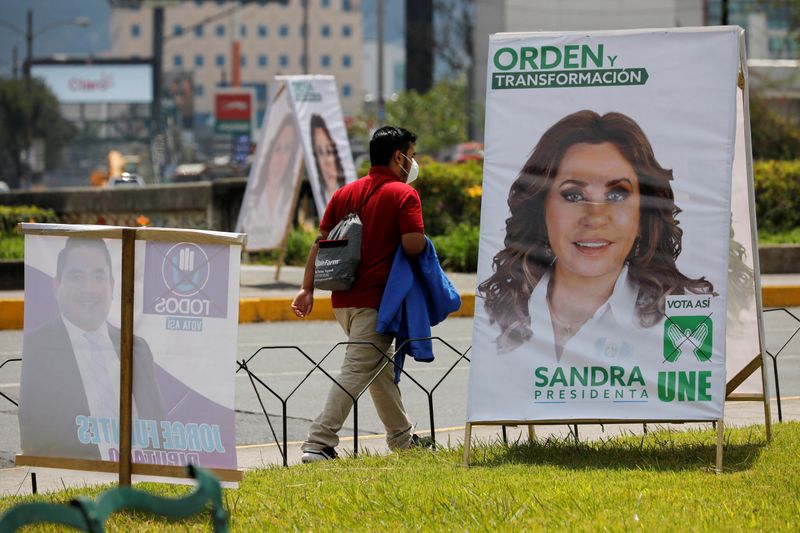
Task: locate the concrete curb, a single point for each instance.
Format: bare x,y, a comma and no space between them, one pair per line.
275,309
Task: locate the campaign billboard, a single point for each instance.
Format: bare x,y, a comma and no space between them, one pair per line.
605,225
329,161
184,347
267,206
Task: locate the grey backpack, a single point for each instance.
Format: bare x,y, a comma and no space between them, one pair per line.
339,255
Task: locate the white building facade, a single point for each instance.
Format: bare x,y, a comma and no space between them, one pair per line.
199,34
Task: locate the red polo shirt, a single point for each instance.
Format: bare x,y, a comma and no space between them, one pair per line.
391,211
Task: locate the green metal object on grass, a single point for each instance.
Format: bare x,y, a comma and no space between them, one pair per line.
90,515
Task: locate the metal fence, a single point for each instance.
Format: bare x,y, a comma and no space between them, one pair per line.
259,386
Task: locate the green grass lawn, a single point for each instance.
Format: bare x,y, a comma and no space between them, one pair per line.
663,481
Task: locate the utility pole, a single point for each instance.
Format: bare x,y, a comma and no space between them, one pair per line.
381,111
305,36
158,57
724,14
472,134
14,62
29,53
236,49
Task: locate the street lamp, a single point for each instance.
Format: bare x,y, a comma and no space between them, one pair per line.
29,34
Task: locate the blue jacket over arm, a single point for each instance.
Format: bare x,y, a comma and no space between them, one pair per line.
418,295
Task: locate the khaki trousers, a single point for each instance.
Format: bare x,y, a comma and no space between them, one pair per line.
361,362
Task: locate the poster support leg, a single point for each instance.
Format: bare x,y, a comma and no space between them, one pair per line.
767,407
467,442
126,357
531,434
720,440
281,260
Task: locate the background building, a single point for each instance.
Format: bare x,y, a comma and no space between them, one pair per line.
494,16
199,34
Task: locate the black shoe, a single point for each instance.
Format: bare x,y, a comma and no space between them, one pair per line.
422,442
325,454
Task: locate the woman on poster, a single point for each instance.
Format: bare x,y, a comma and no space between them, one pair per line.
268,203
591,243
330,171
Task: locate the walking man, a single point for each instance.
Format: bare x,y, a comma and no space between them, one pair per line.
391,214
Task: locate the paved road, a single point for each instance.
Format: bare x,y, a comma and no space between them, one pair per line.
284,369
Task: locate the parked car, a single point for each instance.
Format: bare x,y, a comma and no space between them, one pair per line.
471,151
126,179
190,172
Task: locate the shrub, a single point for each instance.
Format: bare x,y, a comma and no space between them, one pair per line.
450,194
10,216
299,243
458,250
777,195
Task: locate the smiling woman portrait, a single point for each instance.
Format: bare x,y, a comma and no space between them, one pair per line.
592,237
326,158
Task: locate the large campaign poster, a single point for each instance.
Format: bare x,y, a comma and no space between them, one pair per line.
329,161
184,348
267,206
605,225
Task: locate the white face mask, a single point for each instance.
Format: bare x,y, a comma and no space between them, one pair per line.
414,172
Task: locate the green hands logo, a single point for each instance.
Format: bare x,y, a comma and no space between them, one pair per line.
688,335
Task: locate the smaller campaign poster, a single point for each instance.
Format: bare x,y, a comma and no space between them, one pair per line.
184,347
329,161
267,206
187,306
605,226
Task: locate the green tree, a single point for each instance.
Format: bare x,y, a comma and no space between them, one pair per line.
438,117
28,112
773,136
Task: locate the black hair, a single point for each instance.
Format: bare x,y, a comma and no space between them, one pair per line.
386,141
76,242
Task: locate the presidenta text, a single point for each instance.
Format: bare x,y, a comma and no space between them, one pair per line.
618,384
572,65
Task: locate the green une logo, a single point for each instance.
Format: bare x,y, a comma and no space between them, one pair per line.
688,335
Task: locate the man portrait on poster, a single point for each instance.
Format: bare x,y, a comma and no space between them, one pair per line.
69,391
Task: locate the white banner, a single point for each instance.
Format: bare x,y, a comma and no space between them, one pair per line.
743,313
97,83
605,225
184,350
329,162
267,206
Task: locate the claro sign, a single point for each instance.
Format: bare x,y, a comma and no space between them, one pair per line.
86,84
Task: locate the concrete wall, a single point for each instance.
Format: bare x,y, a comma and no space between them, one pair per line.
202,205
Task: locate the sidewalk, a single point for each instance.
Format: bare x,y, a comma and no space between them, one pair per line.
262,298
17,481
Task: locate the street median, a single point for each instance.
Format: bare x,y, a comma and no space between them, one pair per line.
278,308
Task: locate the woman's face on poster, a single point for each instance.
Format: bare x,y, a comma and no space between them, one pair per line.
592,211
282,152
325,152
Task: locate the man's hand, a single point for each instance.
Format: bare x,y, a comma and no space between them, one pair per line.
303,303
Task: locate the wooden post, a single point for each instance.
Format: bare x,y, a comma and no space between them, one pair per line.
531,434
467,441
767,407
126,357
720,440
